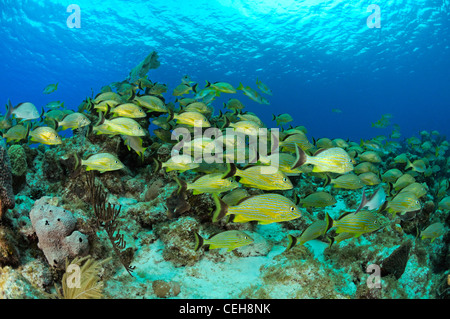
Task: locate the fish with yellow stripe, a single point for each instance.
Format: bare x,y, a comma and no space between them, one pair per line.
230,239
334,160
214,183
315,230
265,209
361,223
263,177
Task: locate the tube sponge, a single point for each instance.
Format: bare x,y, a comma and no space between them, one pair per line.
55,229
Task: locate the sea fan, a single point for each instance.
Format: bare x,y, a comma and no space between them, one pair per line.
107,215
81,280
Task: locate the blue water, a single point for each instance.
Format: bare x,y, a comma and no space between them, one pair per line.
314,55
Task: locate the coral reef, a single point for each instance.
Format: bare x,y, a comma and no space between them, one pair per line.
7,199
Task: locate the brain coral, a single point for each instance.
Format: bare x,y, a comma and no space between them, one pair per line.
54,227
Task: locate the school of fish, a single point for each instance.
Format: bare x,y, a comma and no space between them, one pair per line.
392,179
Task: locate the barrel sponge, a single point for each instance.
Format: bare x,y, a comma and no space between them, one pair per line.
7,200
55,229
18,160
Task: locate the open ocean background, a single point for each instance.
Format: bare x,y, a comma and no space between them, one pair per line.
314,55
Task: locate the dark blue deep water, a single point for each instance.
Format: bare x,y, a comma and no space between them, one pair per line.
314,55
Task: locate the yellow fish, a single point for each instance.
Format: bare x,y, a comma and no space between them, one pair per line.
45,135
191,118
316,229
444,204
50,88
403,181
214,183
179,163
221,87
152,103
347,181
404,202
118,125
433,231
318,199
370,156
264,88
291,141
130,110
263,177
135,143
361,223
16,133
230,239
391,175
234,104
282,118
266,209
102,162
334,160
252,94
74,121
370,178
181,89
246,127
417,165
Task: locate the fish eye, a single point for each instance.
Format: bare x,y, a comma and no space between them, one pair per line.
292,208
115,162
284,179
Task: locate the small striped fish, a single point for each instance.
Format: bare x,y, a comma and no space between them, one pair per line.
334,160
404,202
210,183
433,231
230,239
358,224
266,209
316,229
264,177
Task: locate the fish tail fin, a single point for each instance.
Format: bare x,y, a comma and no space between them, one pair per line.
170,116
101,119
330,240
240,87
292,242
391,189
408,164
55,123
182,185
301,157
194,87
28,131
330,222
208,84
231,171
158,165
108,109
77,161
41,115
9,109
198,241
226,122
221,208
363,201
327,180
382,207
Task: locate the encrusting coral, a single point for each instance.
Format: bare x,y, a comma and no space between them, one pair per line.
7,200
